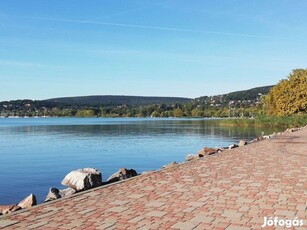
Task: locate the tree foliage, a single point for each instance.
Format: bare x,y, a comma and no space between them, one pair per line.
237,104
289,96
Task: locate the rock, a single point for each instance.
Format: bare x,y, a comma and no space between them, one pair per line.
55,193
82,179
67,192
273,135
252,141
122,174
242,143
5,209
206,151
28,202
233,146
291,130
190,157
172,164
219,150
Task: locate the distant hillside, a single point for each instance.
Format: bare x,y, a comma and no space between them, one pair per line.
240,103
248,97
249,94
111,100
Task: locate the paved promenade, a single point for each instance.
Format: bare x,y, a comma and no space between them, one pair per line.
235,189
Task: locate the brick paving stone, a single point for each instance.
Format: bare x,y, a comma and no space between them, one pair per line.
136,219
285,213
156,213
106,225
6,223
237,228
235,189
37,225
136,196
201,219
232,214
184,225
154,204
117,209
87,210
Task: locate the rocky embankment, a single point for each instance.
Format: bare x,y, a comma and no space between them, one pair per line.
205,151
75,181
87,178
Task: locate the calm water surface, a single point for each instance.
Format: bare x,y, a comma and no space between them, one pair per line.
36,153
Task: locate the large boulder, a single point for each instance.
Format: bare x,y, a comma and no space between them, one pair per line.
55,193
5,209
28,202
83,179
122,174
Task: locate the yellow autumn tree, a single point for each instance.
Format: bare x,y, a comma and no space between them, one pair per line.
289,96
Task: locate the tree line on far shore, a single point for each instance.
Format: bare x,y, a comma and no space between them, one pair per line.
288,97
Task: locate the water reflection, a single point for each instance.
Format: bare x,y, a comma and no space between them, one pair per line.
134,127
36,154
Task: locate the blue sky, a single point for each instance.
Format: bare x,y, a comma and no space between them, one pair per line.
150,48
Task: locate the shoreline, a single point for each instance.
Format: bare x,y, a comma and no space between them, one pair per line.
257,122
197,185
202,153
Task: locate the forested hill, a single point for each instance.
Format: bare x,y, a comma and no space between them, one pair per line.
249,96
110,100
245,102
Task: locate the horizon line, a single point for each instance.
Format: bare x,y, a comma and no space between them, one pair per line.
121,95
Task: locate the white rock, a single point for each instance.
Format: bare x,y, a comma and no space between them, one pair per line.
28,202
82,179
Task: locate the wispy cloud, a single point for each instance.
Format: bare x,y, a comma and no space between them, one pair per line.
147,27
132,10
120,52
22,64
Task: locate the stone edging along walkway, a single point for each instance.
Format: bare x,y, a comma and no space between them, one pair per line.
235,189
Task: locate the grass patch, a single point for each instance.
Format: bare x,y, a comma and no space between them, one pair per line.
267,121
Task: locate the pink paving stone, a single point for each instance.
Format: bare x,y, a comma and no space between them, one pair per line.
232,190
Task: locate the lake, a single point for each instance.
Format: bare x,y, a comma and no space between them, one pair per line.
36,153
